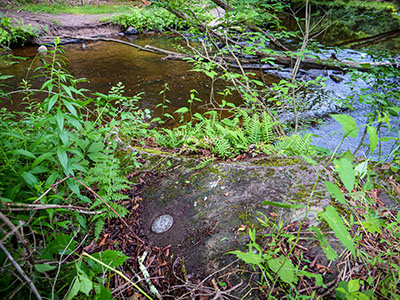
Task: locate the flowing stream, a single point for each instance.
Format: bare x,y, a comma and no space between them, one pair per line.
105,64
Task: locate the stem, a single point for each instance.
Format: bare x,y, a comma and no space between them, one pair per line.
21,272
119,273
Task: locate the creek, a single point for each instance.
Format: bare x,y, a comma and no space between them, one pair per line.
105,64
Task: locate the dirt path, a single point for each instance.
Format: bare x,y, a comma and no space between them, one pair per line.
64,25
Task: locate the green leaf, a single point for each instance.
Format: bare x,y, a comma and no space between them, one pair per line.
248,257
102,293
86,284
52,101
24,153
366,65
373,138
60,119
334,221
111,258
30,178
70,107
74,290
318,277
43,268
372,224
284,268
61,244
81,220
346,172
73,185
349,125
323,242
282,205
96,146
182,110
51,179
62,157
334,190
74,122
42,157
309,160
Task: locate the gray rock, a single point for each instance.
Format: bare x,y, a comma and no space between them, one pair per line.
131,31
211,205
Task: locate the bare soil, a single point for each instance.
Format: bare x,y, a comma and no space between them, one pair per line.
64,26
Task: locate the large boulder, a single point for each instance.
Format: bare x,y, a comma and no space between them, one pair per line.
211,207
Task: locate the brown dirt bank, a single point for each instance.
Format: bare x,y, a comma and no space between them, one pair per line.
64,25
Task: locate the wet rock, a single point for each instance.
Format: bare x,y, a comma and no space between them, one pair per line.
131,31
42,49
336,78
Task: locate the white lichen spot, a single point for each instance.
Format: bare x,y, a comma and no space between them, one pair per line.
162,223
213,184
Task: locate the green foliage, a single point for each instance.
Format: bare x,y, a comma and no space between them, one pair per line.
336,223
148,18
351,291
49,154
230,136
15,34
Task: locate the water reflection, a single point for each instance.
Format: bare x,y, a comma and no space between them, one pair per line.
105,64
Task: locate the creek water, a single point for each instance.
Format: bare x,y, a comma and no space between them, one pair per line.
105,64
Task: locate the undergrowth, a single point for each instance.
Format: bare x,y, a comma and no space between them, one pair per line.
15,34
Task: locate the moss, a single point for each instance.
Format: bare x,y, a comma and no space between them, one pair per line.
278,161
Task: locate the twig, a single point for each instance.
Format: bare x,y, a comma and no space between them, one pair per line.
25,207
20,271
50,188
119,273
109,206
14,229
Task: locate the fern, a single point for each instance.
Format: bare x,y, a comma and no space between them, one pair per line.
267,126
295,144
204,162
221,146
106,175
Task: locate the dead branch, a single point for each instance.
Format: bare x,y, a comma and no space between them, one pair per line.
21,272
50,188
20,238
280,59
26,207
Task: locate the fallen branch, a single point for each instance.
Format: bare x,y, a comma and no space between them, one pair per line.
280,59
21,272
24,207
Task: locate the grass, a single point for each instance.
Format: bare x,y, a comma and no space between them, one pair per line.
84,9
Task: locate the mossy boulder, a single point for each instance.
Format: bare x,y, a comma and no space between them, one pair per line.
213,207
